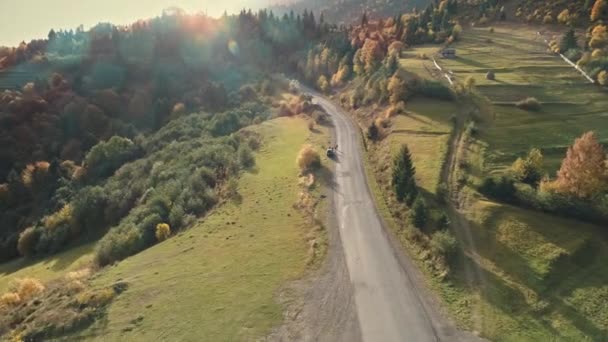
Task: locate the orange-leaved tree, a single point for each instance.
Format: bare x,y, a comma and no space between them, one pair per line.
583,172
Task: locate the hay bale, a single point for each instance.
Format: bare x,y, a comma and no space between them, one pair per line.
491,76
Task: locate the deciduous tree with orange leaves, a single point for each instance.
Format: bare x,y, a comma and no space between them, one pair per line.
583,172
599,10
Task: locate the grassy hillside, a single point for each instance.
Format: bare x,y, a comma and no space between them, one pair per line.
542,277
221,278
45,269
523,68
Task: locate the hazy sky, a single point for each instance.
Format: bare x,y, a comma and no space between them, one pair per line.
28,19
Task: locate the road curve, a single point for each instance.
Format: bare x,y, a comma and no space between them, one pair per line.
388,305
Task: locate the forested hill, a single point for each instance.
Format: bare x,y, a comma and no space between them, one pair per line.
350,11
80,105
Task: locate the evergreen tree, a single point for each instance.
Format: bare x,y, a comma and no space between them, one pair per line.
568,41
372,132
404,183
364,19
419,214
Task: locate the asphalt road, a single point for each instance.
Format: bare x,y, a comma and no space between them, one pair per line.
388,304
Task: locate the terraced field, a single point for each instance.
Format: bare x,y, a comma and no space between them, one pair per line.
524,68
543,278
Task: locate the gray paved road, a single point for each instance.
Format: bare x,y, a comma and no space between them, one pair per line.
389,307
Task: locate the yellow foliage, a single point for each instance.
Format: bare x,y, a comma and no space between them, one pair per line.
28,288
602,78
323,84
395,109
564,17
163,231
96,297
63,216
308,158
9,299
34,172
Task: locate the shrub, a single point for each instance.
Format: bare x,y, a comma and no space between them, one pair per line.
373,132
28,288
176,216
443,221
9,299
443,243
63,216
602,78
323,84
163,231
395,109
27,241
502,188
435,89
245,156
96,298
308,159
107,156
419,213
529,103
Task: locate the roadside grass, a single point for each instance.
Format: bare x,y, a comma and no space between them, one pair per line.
545,277
220,279
45,269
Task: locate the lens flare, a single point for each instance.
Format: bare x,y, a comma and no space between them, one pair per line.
233,47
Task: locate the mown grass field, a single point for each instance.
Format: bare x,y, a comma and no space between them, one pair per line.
523,68
411,61
219,281
45,269
426,130
545,278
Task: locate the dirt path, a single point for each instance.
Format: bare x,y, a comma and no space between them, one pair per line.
460,225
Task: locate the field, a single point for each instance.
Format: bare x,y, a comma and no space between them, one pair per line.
221,278
542,277
524,68
423,67
426,130
45,269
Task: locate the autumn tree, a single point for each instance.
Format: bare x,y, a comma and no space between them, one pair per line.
602,78
599,10
358,63
404,183
308,158
371,55
396,89
323,84
583,172
529,170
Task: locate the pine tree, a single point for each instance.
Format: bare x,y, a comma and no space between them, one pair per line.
404,183
419,214
568,41
364,19
583,172
372,132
